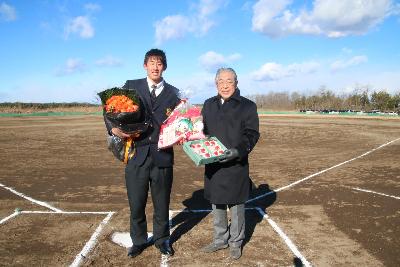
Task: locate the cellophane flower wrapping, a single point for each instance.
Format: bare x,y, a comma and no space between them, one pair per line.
185,123
123,109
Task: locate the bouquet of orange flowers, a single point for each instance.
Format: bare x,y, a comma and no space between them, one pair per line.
120,103
123,109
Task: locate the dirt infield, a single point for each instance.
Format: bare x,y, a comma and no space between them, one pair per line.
319,178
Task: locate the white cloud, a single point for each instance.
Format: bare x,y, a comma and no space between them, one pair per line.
343,64
331,18
272,71
197,87
80,25
247,6
109,61
172,27
7,12
339,82
211,60
38,92
41,87
347,50
205,8
71,66
198,22
396,9
92,7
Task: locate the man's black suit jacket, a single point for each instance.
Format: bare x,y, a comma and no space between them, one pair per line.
146,144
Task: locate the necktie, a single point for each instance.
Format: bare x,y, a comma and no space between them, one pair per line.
153,93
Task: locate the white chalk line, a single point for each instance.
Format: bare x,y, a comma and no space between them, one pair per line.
187,210
320,172
285,238
165,258
66,212
196,211
41,203
16,213
374,192
89,245
92,241
277,229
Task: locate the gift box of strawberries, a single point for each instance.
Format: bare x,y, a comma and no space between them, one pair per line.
204,151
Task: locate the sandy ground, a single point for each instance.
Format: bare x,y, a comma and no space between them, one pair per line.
63,161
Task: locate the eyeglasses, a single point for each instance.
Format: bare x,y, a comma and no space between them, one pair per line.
228,82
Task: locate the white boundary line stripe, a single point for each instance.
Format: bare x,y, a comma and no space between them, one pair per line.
374,192
186,210
41,203
92,241
52,212
194,211
66,212
165,258
9,217
320,172
171,213
288,242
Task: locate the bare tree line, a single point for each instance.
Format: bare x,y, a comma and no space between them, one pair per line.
325,99
361,99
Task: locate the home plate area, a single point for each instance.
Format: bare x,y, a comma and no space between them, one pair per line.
190,229
194,227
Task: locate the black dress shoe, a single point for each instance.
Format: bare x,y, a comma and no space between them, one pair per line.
135,251
165,248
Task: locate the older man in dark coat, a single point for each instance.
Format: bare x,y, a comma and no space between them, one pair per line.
233,119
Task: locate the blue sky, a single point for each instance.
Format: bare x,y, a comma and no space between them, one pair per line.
63,51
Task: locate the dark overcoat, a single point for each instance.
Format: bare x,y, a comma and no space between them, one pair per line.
235,123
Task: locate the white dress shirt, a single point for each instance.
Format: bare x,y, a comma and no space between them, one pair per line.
159,86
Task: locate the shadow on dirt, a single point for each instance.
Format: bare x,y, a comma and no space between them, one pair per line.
197,208
297,262
253,217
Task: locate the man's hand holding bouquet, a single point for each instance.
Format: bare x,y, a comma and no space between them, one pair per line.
126,119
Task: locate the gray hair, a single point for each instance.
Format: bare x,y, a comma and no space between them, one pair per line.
223,70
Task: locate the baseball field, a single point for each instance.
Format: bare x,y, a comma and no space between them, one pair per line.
327,194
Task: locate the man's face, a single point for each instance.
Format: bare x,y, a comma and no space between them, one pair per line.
154,68
226,84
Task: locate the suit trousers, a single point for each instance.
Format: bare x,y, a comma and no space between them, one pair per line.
234,233
138,180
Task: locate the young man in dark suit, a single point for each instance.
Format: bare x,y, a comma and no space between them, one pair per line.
150,166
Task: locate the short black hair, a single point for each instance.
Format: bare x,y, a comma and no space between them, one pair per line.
156,53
